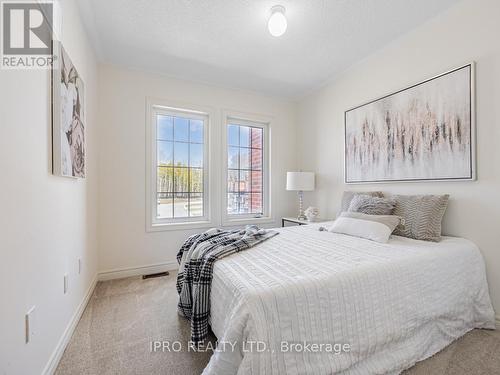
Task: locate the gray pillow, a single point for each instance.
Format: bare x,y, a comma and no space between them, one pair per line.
392,221
348,195
371,205
422,215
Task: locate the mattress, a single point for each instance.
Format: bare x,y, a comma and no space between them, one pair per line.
386,306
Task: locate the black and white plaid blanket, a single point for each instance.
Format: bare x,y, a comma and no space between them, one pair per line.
196,260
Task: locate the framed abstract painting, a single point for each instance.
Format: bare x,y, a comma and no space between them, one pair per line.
424,132
68,117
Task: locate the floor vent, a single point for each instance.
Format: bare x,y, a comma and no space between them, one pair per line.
152,275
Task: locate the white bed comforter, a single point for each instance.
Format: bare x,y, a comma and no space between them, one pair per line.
394,304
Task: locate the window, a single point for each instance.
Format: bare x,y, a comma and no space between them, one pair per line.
179,153
246,173
179,158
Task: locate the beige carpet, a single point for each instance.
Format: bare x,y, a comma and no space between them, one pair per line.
123,317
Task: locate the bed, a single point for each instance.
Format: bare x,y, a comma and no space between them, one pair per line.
392,304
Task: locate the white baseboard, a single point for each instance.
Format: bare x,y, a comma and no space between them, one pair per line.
121,273
51,366
497,317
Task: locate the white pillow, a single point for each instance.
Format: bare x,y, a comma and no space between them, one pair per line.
371,230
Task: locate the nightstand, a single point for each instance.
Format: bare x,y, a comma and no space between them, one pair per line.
294,220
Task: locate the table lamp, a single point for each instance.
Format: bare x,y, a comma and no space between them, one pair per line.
300,181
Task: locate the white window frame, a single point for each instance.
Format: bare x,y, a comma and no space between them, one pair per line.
263,122
168,108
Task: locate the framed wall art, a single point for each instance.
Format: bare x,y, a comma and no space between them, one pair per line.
68,116
424,132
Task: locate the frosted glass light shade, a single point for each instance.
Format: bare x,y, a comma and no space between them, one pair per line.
277,23
300,181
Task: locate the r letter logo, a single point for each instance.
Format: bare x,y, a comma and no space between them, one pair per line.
26,34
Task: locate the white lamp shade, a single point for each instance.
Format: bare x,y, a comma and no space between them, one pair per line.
300,181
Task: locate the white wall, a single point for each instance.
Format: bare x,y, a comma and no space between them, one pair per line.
46,222
467,32
123,240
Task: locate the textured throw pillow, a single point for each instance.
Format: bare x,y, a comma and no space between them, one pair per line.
348,195
370,230
371,205
422,216
392,221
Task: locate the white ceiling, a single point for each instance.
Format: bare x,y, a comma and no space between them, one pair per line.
226,42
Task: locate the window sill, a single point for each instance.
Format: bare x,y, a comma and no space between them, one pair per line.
236,222
232,222
162,227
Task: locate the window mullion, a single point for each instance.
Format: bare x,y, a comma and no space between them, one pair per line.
239,170
173,185
251,174
189,169
173,168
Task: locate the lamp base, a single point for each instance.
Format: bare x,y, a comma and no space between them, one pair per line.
301,206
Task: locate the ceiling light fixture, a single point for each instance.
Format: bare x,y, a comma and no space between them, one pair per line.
277,22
